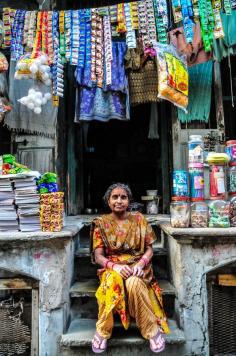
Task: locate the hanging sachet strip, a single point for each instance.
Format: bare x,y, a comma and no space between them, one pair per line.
38,37
130,33
107,48
121,28
176,10
8,19
143,24
161,19
99,51
68,33
75,37
62,37
31,30
218,29
196,14
134,15
93,44
113,12
207,23
17,48
50,49
227,7
188,23
58,67
26,27
152,35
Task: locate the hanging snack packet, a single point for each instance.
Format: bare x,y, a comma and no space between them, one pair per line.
3,63
172,75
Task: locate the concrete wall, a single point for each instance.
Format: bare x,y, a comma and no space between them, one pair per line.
189,268
52,264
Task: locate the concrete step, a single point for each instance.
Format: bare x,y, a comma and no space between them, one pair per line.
84,305
77,341
88,288
158,250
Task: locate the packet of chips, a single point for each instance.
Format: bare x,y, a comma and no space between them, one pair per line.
3,63
172,75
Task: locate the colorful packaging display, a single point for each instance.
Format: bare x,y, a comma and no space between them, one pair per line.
52,211
180,189
219,214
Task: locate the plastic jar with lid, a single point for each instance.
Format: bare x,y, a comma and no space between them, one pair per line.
179,214
219,213
232,179
180,189
199,214
231,150
217,181
196,180
195,149
232,212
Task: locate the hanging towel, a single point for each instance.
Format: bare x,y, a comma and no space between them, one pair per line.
22,119
225,46
200,82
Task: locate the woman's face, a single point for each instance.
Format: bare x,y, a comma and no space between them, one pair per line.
118,201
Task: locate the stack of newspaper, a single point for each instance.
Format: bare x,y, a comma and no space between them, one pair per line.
27,202
8,216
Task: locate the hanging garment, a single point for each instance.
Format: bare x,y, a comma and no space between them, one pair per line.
226,46
110,101
153,123
200,82
194,51
22,119
143,79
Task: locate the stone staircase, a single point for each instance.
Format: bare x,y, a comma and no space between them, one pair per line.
83,315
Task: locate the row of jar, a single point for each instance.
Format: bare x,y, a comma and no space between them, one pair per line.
217,213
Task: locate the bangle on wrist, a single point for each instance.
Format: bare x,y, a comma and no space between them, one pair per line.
106,263
145,260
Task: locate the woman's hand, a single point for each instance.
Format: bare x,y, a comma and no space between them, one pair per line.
138,271
124,270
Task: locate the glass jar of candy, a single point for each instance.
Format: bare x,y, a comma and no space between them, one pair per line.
180,189
232,212
232,179
217,181
199,214
219,213
196,180
195,149
231,150
179,214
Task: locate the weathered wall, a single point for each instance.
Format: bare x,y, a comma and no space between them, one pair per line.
189,268
52,264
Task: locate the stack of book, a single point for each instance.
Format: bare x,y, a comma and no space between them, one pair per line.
27,202
8,216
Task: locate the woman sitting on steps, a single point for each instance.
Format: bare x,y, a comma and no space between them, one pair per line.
122,244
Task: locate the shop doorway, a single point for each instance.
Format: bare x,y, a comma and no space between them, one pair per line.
118,151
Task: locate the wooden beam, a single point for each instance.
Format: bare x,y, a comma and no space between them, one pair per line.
35,323
15,283
220,121
228,280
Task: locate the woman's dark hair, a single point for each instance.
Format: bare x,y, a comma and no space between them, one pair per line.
107,195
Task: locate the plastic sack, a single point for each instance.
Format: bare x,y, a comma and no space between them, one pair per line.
3,63
172,75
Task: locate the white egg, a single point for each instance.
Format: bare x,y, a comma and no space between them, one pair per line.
31,91
45,76
37,110
48,82
30,105
38,102
17,76
43,59
48,96
39,95
44,101
33,68
24,100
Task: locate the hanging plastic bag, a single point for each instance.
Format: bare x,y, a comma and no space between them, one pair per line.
3,63
172,75
4,107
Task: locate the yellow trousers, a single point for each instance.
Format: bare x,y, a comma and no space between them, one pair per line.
139,307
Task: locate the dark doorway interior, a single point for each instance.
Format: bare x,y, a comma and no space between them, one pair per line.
119,151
